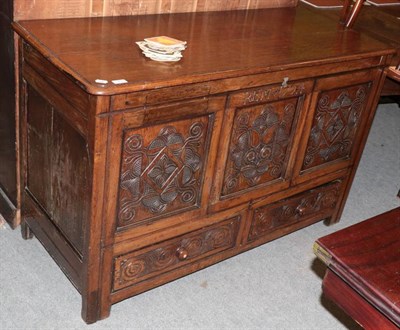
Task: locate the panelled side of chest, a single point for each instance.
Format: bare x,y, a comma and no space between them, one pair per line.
57,161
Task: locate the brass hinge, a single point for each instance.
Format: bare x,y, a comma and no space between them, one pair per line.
322,254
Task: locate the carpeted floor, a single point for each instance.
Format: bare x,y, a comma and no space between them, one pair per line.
275,286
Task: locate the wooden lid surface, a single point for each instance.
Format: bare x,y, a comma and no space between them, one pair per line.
219,45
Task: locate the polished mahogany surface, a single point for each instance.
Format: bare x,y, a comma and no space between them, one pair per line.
220,44
367,257
381,23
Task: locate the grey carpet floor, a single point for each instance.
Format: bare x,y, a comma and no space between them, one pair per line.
275,286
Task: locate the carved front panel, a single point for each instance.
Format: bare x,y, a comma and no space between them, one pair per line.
271,217
259,145
147,263
162,170
335,124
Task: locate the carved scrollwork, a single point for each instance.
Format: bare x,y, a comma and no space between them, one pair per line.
259,145
273,93
133,269
335,125
268,218
162,174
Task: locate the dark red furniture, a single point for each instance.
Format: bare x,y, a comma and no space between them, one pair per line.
363,275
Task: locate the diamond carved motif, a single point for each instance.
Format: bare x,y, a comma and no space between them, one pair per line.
335,124
259,145
161,174
162,170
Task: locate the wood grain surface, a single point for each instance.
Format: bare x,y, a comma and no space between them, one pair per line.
367,257
132,175
27,9
220,44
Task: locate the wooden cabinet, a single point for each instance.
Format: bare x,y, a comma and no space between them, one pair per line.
186,164
11,10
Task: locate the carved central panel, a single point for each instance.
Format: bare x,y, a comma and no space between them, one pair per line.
161,170
335,124
258,150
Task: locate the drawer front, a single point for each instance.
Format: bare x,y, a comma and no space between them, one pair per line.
319,202
155,260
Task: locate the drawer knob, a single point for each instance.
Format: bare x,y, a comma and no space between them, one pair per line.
301,210
182,253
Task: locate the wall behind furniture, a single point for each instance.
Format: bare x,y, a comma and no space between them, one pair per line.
28,9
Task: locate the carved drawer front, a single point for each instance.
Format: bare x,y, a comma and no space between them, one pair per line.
256,147
149,262
321,201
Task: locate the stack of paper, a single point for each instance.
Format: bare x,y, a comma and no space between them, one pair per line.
163,49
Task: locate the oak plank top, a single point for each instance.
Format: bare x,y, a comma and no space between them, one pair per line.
220,45
367,257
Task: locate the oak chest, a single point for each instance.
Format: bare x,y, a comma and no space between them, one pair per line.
255,133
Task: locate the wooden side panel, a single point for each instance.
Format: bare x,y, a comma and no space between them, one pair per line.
27,9
353,304
57,168
8,193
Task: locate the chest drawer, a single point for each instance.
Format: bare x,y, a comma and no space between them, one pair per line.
316,203
146,263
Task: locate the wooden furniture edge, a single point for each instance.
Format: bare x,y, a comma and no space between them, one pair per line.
199,78
8,210
361,311
347,277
